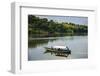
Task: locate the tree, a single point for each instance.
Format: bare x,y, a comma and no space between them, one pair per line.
44,26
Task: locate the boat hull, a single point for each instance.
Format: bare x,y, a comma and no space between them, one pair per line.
59,51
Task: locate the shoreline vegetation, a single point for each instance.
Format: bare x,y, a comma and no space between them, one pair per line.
42,27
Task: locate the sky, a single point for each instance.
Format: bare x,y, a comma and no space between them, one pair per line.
72,19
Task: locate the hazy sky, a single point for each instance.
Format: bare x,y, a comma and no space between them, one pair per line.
72,19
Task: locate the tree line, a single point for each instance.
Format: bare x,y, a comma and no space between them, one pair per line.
42,27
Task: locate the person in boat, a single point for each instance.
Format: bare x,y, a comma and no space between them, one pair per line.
67,48
51,47
59,49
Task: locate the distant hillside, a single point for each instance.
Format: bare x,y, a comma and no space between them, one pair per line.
38,27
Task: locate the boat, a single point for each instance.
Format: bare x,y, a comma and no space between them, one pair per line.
58,50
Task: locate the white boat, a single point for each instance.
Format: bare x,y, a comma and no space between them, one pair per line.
58,49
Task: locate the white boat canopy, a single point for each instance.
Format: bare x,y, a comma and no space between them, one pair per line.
61,47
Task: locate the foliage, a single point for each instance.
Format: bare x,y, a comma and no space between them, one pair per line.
44,27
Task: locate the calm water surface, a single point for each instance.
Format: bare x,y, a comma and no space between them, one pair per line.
77,44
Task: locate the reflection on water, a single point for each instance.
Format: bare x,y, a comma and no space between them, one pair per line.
37,42
61,54
77,44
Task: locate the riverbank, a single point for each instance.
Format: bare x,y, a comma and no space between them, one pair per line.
56,35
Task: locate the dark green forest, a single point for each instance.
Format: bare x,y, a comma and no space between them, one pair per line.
42,27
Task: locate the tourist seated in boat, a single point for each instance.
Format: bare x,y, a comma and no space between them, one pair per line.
60,47
67,47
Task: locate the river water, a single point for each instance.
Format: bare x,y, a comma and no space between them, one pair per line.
77,44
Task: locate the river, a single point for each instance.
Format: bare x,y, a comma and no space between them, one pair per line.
77,44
